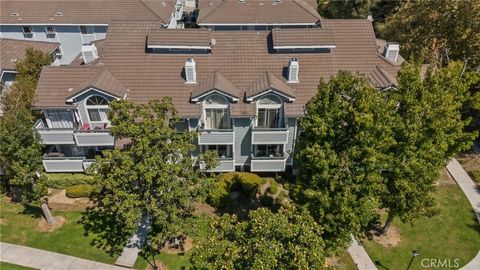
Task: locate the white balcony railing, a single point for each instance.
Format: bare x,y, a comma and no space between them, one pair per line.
215,136
268,164
269,136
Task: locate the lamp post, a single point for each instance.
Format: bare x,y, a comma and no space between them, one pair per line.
414,254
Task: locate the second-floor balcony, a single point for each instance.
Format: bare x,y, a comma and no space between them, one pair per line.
269,135
215,136
85,135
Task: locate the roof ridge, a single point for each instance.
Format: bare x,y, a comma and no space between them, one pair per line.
151,11
28,41
213,9
309,11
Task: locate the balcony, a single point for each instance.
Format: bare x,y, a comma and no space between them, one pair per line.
215,136
93,138
268,164
54,135
64,164
269,135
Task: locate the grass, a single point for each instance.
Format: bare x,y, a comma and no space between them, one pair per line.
453,234
9,266
20,228
345,262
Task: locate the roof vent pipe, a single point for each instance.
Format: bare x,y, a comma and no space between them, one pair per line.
190,71
391,52
293,68
89,53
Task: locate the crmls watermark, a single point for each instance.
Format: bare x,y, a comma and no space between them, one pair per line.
440,263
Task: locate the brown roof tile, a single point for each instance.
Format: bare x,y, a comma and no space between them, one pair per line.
12,50
216,82
257,12
267,81
81,11
161,37
302,37
240,56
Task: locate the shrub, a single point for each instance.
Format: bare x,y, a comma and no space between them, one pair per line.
250,183
266,200
475,175
78,191
218,197
63,180
273,188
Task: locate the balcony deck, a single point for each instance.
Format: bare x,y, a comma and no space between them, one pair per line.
268,164
215,136
269,135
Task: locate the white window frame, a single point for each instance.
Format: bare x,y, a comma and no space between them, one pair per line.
268,106
50,33
86,28
228,149
30,31
96,107
214,106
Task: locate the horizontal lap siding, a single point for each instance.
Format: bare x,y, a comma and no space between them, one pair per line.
243,138
94,139
63,165
56,137
215,137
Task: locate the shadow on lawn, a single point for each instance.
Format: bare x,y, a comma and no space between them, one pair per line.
379,264
32,210
109,234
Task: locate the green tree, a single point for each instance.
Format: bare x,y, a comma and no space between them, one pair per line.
345,9
438,30
341,152
152,176
20,148
429,132
288,239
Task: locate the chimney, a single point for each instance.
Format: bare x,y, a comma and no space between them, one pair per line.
293,70
190,72
89,53
392,51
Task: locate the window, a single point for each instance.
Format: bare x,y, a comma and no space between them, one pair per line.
224,151
216,113
27,30
86,30
269,111
51,31
268,150
97,108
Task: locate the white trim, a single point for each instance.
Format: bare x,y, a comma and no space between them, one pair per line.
178,47
252,98
58,24
306,47
259,24
94,89
7,71
215,91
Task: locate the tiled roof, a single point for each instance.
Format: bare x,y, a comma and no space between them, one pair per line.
219,83
267,81
12,50
240,56
302,37
162,37
102,80
257,12
82,11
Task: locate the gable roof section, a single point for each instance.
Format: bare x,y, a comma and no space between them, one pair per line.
161,8
179,38
57,84
218,12
87,12
268,82
12,50
216,82
303,38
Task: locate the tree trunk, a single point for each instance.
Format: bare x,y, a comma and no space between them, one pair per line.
47,214
387,223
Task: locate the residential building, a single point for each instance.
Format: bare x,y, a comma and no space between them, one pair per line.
242,91
257,14
74,23
11,51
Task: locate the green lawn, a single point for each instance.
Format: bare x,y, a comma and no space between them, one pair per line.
345,262
9,266
453,234
18,227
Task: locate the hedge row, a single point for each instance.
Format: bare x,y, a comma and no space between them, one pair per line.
78,191
64,180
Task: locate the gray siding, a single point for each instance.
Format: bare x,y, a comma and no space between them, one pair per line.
267,165
63,165
291,137
224,166
80,102
56,136
269,137
69,37
243,138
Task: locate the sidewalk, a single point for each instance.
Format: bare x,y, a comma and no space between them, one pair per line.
46,260
360,257
473,195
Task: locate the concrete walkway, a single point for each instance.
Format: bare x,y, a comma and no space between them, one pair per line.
135,243
46,260
360,257
473,195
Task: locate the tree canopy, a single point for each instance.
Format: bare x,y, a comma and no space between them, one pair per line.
287,239
151,176
437,30
347,132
